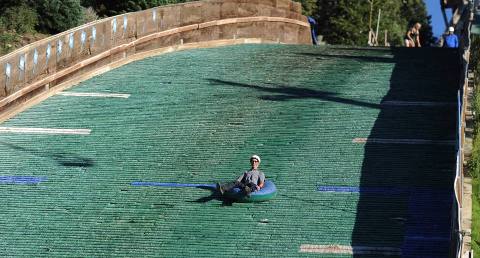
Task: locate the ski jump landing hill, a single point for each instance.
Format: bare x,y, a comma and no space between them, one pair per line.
365,145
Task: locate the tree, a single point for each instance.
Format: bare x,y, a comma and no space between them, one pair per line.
19,19
343,21
309,7
7,39
392,22
5,4
58,15
106,8
348,22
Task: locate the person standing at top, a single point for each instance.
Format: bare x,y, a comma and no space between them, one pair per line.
450,40
250,181
412,38
313,29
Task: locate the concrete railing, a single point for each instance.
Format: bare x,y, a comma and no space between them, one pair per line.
36,69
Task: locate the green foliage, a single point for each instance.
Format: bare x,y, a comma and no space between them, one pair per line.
110,8
474,162
475,216
7,41
58,15
5,4
16,18
348,22
89,15
20,19
475,54
309,7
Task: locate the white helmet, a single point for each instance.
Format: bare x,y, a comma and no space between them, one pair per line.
256,157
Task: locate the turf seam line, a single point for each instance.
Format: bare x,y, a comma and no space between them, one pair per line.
44,130
94,94
403,141
355,250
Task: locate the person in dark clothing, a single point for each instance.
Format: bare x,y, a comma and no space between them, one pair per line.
313,29
250,181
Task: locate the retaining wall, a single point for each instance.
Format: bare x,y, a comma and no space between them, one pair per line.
462,20
90,49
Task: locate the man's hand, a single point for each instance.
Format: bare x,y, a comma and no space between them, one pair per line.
258,187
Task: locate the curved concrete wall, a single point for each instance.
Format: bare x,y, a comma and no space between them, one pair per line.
44,66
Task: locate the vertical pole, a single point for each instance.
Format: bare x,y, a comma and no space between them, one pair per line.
386,39
371,13
378,24
444,17
370,31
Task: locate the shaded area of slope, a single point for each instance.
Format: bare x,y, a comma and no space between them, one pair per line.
422,227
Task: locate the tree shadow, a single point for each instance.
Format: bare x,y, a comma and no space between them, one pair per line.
363,58
355,49
64,159
285,93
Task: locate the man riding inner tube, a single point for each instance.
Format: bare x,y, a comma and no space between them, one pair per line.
250,181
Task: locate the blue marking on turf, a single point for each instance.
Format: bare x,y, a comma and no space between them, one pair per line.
21,180
172,184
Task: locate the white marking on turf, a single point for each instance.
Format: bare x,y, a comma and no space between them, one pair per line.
345,249
402,141
94,94
44,130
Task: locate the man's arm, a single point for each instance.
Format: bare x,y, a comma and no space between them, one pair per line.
240,178
261,181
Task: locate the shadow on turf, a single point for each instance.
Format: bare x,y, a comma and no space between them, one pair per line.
214,195
376,49
284,93
418,223
64,159
377,59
